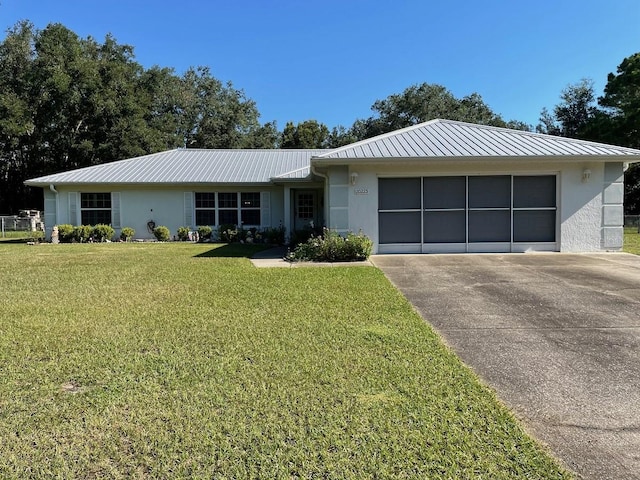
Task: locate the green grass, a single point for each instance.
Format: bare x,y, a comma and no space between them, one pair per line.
165,361
11,236
631,240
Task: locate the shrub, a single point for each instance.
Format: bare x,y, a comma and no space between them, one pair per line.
228,233
204,232
183,233
332,247
82,233
102,232
162,233
65,233
274,235
126,234
302,236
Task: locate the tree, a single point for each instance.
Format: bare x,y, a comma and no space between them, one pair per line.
69,102
307,134
215,115
340,136
616,121
420,103
572,116
622,99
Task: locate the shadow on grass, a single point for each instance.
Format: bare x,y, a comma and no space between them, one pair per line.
17,240
233,250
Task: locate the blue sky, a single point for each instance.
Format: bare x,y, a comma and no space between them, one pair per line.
330,60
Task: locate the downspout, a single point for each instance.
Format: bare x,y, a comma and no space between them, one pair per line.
326,193
53,189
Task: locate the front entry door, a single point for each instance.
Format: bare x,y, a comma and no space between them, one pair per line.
305,206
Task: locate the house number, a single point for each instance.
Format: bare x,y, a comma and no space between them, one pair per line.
362,191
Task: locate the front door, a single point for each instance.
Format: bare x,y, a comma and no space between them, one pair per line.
305,206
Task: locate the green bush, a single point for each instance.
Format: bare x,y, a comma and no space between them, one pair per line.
35,236
126,234
228,233
204,232
102,232
332,247
65,233
274,235
183,233
162,233
82,233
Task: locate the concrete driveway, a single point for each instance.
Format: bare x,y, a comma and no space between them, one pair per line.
556,335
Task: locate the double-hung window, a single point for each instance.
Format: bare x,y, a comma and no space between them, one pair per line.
227,208
206,208
95,208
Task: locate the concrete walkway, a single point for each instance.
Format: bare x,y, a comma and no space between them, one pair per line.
274,258
556,335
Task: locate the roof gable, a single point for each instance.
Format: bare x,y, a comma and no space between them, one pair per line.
448,138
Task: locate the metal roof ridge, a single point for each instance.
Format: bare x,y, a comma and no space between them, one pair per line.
382,136
539,135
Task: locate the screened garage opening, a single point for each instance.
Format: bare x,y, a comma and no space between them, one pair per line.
482,213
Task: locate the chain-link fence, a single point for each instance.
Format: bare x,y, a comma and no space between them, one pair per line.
632,220
10,224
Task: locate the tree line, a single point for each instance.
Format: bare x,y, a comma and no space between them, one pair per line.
69,102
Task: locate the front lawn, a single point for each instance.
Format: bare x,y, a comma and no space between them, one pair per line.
631,240
166,361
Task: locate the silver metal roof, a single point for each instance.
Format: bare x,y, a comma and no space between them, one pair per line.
436,139
448,138
193,166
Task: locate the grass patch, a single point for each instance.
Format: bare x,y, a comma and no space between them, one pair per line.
631,240
21,236
143,360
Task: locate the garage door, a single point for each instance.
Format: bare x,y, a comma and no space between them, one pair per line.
488,213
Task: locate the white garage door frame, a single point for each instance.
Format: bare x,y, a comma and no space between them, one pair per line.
466,246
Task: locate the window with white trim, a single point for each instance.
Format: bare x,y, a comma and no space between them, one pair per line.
206,208
228,208
95,208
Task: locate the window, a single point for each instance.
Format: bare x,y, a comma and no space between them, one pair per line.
205,208
95,208
227,208
250,208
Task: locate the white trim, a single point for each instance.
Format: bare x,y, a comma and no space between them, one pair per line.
399,248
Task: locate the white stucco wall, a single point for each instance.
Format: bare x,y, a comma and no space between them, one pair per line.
165,206
580,207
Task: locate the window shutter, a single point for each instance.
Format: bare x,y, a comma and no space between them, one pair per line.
265,209
188,209
115,209
73,208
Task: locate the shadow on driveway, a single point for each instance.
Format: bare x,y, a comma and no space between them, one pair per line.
556,335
